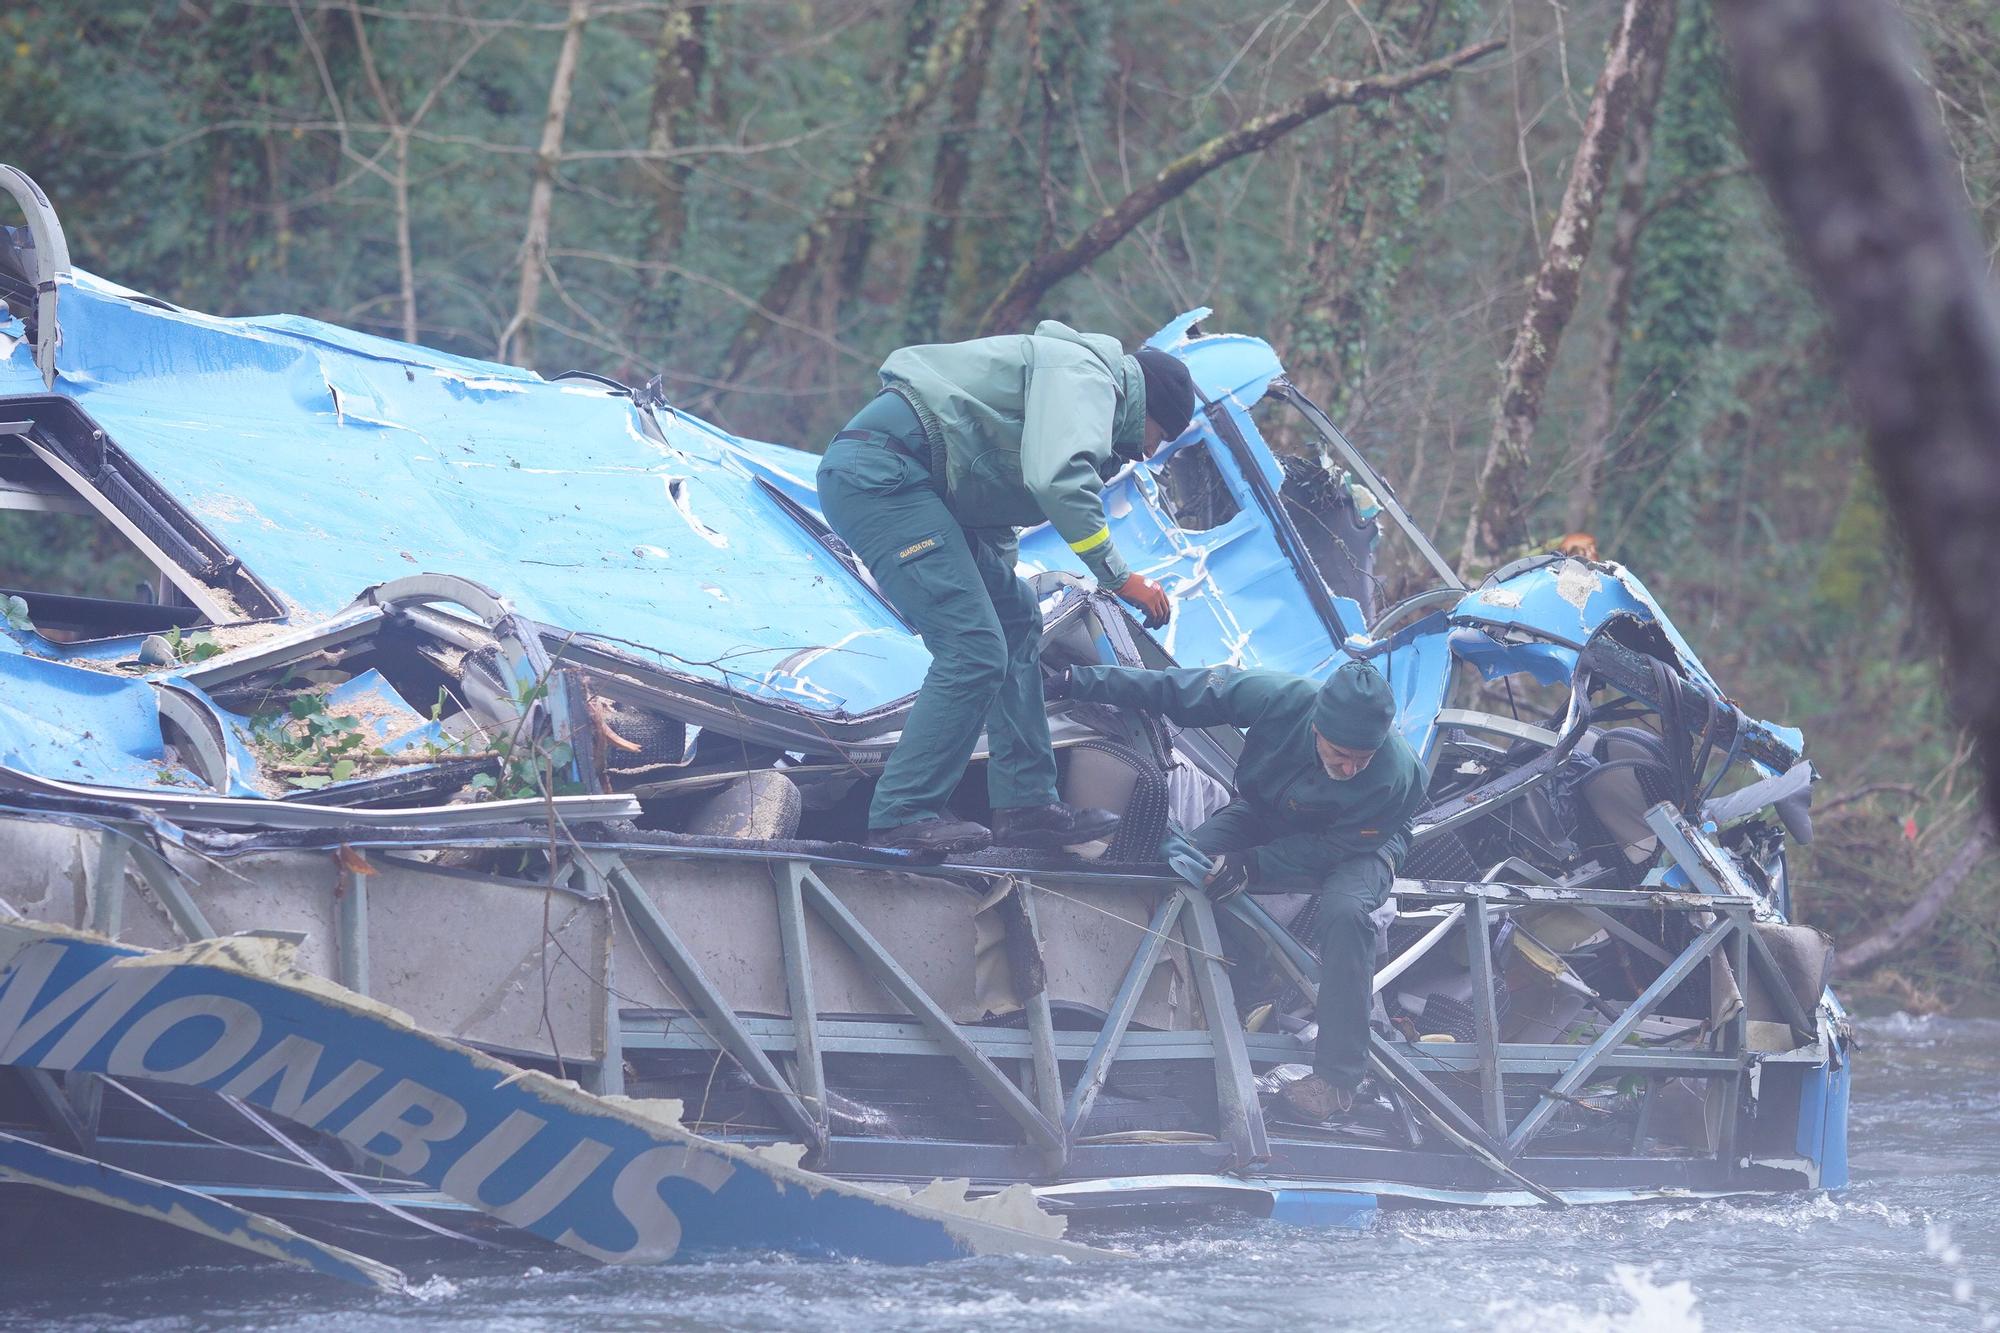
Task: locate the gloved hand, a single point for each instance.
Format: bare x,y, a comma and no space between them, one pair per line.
1150,598
1055,684
1228,876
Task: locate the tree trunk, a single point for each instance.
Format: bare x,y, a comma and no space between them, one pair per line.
517,339
1595,441
1848,143
881,153
1918,916
680,58
406,251
1017,301
1363,239
1497,525
951,171
857,238
399,179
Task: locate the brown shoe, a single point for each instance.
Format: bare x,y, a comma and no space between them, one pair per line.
1315,1099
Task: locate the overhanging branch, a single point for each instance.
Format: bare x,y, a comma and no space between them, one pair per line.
1010,310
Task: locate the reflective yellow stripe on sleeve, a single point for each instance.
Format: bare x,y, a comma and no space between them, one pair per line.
1092,542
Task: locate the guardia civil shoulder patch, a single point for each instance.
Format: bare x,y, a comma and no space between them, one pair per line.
918,549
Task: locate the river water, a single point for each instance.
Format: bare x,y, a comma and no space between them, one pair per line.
1915,1242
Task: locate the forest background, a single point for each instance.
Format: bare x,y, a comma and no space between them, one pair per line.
757,200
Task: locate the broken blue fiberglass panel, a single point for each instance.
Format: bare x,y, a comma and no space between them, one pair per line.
329,461
1561,603
79,725
619,1181
1239,600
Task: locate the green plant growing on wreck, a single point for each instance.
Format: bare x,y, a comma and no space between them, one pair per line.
191,648
306,735
16,611
530,766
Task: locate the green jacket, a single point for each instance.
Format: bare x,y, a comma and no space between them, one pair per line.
1027,425
1315,821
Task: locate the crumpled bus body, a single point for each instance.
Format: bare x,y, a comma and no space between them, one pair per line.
451,824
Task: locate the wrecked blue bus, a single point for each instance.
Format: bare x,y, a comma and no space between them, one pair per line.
433,816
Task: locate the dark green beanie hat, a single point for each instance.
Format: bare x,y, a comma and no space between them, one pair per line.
1355,707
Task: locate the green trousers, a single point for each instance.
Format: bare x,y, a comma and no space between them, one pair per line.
956,585
1350,890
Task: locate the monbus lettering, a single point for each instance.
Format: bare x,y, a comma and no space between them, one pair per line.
110,990
239,1032
410,1127
468,1176
293,1061
636,1194
385,1118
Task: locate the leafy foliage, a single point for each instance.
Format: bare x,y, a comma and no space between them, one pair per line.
1680,292
305,734
191,648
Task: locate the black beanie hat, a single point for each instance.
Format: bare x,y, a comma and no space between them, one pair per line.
1169,390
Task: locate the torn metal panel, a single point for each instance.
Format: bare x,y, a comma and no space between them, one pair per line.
195,809
25,1162
621,1181
1564,601
643,528
1238,585
52,272
80,725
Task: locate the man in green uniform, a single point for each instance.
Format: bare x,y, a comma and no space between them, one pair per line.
929,484
1325,791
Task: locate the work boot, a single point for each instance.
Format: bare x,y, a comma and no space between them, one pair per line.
946,837
1315,1099
1051,826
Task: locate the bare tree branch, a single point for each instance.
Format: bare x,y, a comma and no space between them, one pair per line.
399,179
881,153
1011,309
343,125
1915,919
1688,187
1821,809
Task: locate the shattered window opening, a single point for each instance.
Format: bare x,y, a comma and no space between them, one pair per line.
1193,489
1408,570
94,547
1340,535
78,576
